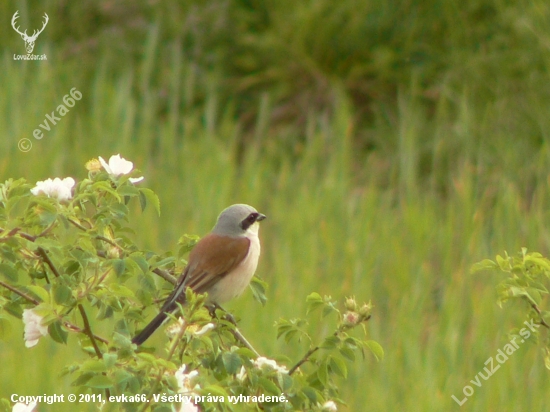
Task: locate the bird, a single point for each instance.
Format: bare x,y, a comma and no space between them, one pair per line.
222,263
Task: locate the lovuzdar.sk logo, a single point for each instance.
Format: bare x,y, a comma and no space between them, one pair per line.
29,40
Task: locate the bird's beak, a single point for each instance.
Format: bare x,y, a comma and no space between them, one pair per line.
260,217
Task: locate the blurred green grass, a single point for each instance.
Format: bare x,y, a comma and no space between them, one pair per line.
448,182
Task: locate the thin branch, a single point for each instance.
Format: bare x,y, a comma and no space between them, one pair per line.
237,333
109,241
88,331
16,230
542,321
22,294
78,225
75,328
46,231
165,275
304,359
316,348
48,261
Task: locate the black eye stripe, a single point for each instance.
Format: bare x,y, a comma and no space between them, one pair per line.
249,220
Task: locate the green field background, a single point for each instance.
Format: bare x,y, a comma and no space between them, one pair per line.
390,145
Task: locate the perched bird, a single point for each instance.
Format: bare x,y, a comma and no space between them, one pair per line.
221,263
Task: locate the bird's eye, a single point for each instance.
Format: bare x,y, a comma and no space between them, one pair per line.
249,221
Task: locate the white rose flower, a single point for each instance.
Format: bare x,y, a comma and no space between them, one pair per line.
206,328
184,379
261,361
119,166
23,407
56,188
34,329
329,406
188,407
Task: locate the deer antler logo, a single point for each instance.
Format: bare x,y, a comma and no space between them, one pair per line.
29,40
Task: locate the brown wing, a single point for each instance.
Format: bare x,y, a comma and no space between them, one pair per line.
211,259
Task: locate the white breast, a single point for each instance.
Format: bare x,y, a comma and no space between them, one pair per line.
234,283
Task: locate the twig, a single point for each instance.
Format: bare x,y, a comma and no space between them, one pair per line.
542,321
109,241
48,261
316,348
16,230
304,359
45,231
22,294
75,328
76,224
165,275
88,331
237,333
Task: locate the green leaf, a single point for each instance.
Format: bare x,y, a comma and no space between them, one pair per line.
231,362
147,195
93,365
338,366
62,294
82,379
122,376
106,187
57,332
322,373
503,263
376,349
269,386
330,342
110,359
314,301
485,264
121,291
99,382
119,210
347,353
127,190
40,292
119,266
9,272
142,263
258,287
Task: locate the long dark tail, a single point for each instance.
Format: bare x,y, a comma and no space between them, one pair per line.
149,329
